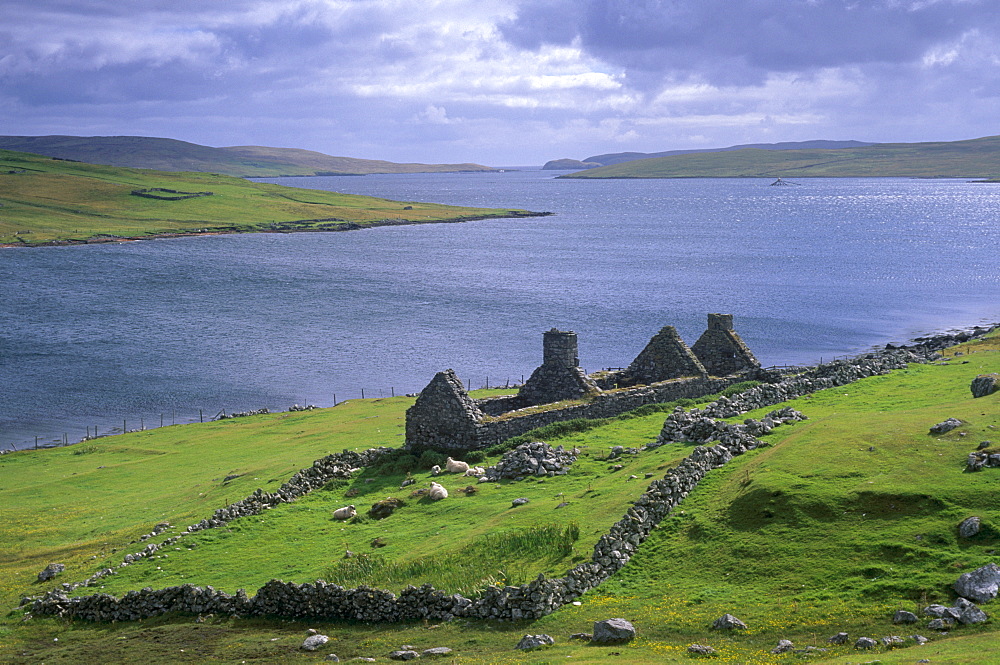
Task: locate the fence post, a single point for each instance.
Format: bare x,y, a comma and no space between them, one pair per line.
335,399
201,415
362,393
392,390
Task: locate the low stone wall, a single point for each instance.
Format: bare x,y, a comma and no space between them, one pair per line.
541,596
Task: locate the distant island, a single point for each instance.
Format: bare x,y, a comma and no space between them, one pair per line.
248,161
974,158
57,201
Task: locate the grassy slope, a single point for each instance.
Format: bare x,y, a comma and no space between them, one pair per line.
813,535
242,161
978,158
46,200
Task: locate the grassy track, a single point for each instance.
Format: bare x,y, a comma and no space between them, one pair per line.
845,518
44,200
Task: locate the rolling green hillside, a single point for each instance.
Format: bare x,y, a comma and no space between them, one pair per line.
46,200
976,158
143,152
843,519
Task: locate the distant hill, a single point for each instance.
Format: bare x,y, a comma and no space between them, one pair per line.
568,165
619,157
974,158
162,154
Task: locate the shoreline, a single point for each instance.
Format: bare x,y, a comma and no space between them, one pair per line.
344,226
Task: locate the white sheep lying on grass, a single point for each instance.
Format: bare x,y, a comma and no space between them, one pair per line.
435,470
476,471
437,492
345,513
456,466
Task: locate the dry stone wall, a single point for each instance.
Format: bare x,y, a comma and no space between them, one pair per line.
541,596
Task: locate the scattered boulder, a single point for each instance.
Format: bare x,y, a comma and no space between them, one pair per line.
701,649
613,631
404,654
919,639
520,501
385,507
529,642
985,384
893,641
784,646
586,637
945,426
969,527
839,638
531,459
981,585
51,571
436,651
940,624
728,622
332,658
314,642
865,643
940,612
969,612
902,616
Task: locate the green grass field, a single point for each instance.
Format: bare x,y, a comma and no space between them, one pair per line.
44,200
843,519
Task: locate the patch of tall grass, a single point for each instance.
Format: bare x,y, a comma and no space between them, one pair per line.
492,559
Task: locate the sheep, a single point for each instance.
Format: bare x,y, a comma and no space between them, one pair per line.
437,492
345,513
456,466
435,470
475,471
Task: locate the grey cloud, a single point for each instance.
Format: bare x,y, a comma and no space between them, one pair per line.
736,39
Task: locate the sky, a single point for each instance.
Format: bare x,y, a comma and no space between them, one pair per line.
501,82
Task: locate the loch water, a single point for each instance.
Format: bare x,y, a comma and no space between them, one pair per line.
118,335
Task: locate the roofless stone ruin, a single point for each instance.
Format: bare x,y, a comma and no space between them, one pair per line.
444,417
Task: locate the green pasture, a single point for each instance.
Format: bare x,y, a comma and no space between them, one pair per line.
44,200
841,520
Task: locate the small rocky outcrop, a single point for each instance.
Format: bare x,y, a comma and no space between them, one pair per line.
985,384
314,642
981,585
700,649
839,638
728,622
902,616
51,571
404,654
946,426
784,646
865,643
613,631
978,459
385,507
529,642
436,651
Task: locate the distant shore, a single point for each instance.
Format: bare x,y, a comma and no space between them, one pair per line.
282,227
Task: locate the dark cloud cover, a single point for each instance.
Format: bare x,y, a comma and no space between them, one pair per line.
501,81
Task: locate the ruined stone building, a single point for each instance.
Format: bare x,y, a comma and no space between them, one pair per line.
444,417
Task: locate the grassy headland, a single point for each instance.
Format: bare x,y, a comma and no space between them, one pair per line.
52,201
843,519
976,158
162,154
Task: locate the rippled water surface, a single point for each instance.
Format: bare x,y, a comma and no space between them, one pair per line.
93,336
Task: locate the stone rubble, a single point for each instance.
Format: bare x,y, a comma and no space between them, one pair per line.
531,459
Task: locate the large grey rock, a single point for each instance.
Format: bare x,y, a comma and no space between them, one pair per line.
314,642
404,654
865,643
436,651
783,646
969,612
940,612
943,623
839,638
529,642
985,384
969,527
980,585
613,631
50,571
728,622
945,426
902,616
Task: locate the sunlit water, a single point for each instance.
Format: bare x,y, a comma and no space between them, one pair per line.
93,336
